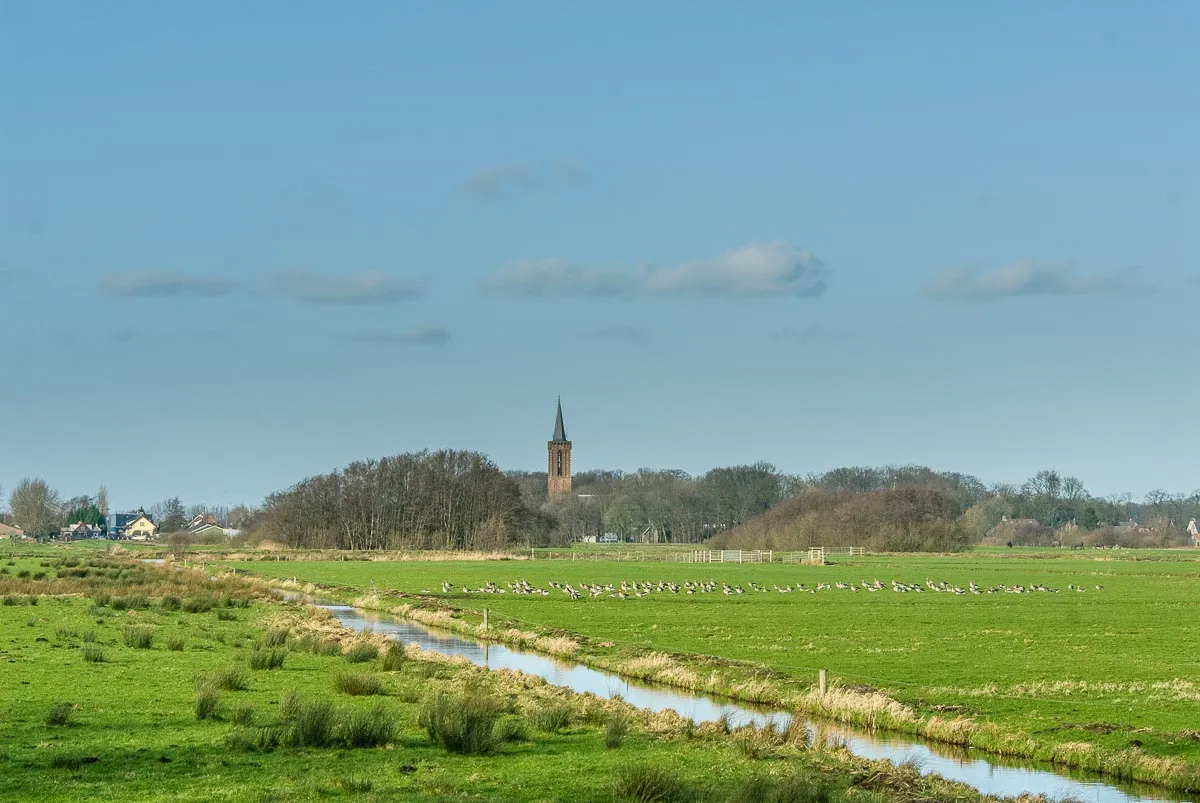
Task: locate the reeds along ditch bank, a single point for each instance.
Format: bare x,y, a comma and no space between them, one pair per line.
867,708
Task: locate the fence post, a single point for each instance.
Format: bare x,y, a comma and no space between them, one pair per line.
820,680
485,627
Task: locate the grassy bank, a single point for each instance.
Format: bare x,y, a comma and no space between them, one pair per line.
1080,678
134,682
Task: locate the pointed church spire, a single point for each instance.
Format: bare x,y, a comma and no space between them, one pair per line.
560,432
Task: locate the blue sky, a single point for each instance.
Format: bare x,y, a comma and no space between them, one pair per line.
245,243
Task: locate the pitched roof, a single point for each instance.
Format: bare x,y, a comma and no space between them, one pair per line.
560,431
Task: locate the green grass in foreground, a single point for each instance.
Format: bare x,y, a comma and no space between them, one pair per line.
1115,667
129,727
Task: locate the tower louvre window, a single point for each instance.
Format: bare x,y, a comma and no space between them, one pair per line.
560,467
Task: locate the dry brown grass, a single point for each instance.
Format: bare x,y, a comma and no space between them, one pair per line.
951,731
871,709
756,691
557,645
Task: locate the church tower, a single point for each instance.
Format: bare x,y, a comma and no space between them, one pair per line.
559,465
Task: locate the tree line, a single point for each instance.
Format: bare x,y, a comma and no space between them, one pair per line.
424,500
656,506
916,508
461,500
40,511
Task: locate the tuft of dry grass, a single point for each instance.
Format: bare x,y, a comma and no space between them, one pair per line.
951,731
871,709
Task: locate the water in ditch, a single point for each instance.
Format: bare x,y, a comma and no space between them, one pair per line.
986,773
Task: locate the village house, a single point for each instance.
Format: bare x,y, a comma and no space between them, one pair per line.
210,525
199,522
141,528
80,532
119,524
13,533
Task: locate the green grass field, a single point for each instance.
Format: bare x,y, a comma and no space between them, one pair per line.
1115,667
125,727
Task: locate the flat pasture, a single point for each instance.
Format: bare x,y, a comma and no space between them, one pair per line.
1116,664
106,661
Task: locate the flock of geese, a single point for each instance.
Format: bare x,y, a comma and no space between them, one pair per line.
639,589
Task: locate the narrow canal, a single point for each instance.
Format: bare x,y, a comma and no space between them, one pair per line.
984,772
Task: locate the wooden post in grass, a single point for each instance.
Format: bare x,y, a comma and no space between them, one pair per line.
485,627
820,679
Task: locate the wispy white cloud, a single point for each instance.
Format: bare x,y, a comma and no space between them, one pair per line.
370,287
507,180
1030,278
554,277
758,270
418,336
166,284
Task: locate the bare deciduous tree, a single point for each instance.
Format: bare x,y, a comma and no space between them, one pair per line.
35,507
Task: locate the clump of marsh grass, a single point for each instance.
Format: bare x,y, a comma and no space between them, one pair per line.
361,652
464,724
552,717
358,684
93,653
140,638
797,734
511,728
646,783
311,724
133,602
226,615
268,657
290,704
394,658
615,730
176,643
60,715
197,605
371,727
758,743
231,678
276,637
208,701
65,634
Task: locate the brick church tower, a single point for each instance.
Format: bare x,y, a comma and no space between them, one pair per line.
559,466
